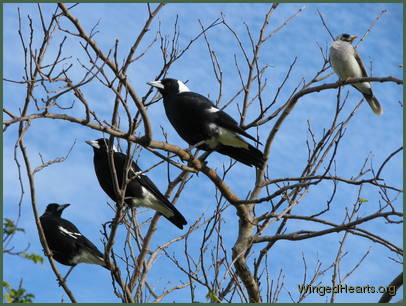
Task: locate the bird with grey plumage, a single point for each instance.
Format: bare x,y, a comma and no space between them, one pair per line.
347,63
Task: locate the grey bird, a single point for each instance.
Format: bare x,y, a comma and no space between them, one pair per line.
347,63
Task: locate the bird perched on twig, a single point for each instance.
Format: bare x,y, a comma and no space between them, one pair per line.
68,246
140,190
347,63
202,125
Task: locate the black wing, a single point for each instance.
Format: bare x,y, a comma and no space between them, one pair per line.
200,106
361,64
195,101
224,120
78,238
138,180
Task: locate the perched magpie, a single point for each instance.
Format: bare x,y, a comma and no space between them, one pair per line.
202,125
347,63
68,246
140,190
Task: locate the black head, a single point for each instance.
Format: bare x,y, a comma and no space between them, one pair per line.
346,37
169,86
55,210
100,145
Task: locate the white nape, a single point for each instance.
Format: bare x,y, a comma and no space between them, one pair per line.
182,87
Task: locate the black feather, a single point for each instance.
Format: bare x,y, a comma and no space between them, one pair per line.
138,181
67,244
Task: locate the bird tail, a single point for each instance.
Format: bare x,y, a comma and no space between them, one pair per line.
374,104
94,256
103,264
175,216
250,156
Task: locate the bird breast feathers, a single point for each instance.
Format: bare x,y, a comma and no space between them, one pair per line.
344,61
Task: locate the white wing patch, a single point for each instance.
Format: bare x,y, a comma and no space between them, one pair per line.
149,200
225,137
182,87
68,233
87,257
213,110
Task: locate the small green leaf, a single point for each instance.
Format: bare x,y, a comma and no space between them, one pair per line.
362,200
212,297
32,256
17,295
10,228
5,284
8,298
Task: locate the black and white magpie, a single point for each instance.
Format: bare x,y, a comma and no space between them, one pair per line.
201,124
68,246
140,191
347,63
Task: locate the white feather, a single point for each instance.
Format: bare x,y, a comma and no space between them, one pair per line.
213,110
342,55
68,233
87,257
225,137
182,87
149,200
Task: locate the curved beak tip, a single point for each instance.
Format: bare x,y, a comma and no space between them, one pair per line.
63,206
92,143
156,84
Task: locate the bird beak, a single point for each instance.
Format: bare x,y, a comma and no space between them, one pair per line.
93,143
156,84
62,207
158,95
353,37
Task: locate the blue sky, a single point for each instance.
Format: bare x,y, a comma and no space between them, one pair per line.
74,181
